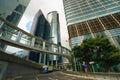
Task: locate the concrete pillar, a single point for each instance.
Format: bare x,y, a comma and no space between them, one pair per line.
19,35
44,59
43,47
40,58
59,49
52,62
56,63
33,42
53,48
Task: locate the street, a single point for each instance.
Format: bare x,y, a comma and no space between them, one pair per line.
53,76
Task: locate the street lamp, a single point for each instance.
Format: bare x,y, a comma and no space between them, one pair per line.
92,62
75,64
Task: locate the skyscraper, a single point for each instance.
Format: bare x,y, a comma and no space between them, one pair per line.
91,18
53,18
11,11
41,29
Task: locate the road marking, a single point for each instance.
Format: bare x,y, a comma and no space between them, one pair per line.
37,78
52,78
78,76
17,77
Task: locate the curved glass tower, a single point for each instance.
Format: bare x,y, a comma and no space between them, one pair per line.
53,18
90,18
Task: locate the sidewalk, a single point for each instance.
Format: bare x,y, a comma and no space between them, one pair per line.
92,78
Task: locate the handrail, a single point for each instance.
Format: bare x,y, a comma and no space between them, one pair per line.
29,41
17,28
22,46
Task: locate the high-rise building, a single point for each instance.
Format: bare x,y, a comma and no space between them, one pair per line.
41,29
91,18
11,11
53,18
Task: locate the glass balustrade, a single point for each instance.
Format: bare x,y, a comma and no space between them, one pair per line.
55,49
25,39
48,47
38,44
8,32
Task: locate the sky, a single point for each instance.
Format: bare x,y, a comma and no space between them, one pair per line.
46,6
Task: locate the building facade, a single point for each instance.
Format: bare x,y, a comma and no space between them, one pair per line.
12,11
53,19
91,18
40,28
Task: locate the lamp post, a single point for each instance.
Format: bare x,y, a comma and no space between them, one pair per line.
92,62
74,62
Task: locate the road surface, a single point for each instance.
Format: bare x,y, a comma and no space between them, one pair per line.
53,76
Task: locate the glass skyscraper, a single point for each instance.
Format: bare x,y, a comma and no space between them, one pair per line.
41,29
12,11
91,18
53,18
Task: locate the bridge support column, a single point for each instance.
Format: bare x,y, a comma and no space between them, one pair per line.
48,63
56,63
59,49
19,35
33,42
51,62
43,45
44,59
40,58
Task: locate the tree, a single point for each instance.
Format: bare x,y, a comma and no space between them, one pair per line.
99,50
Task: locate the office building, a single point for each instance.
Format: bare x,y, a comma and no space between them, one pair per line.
12,11
91,18
53,19
40,28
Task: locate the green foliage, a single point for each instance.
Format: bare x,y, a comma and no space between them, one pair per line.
99,50
69,66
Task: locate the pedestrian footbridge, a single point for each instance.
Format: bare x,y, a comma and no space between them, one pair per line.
14,36
10,65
